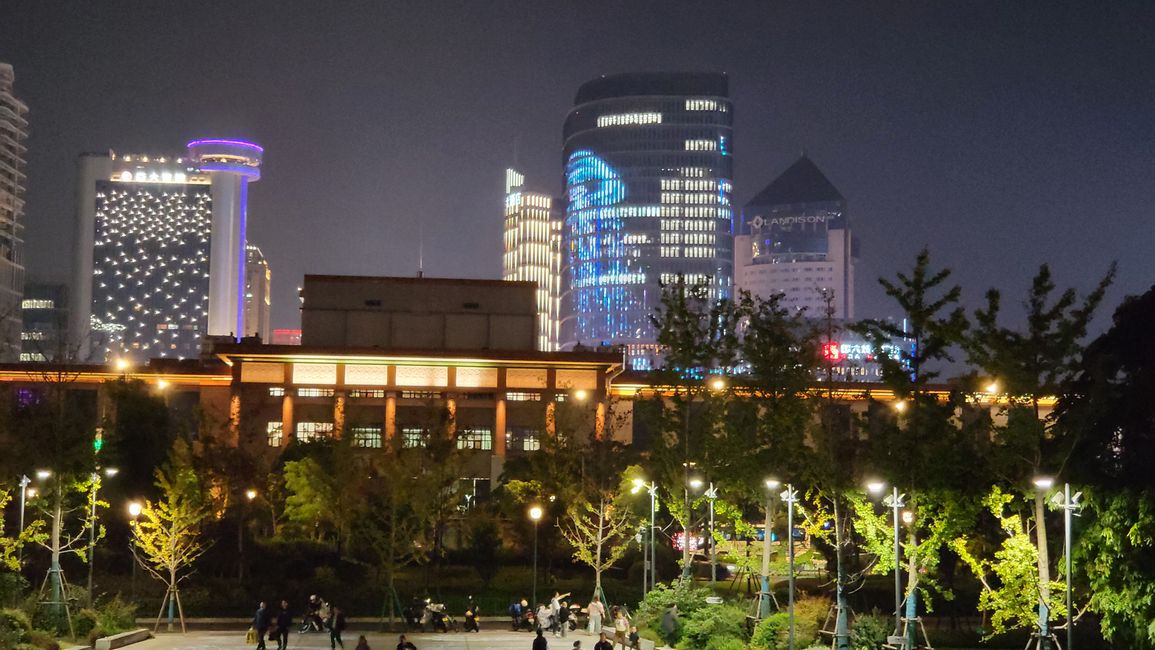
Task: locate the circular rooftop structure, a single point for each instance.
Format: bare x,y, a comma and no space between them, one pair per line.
229,156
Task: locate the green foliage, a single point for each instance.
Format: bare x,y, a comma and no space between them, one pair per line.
483,543
869,631
42,640
683,593
773,632
725,643
1116,551
770,633
16,620
116,615
83,622
711,622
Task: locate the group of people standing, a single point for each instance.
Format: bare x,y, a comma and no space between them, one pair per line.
319,615
554,618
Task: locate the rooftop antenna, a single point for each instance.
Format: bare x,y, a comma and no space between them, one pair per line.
420,249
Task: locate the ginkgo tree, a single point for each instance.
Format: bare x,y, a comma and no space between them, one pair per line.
166,538
600,531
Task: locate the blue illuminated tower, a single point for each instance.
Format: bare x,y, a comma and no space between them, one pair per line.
648,173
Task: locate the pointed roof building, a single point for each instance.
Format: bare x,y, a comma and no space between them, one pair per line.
802,182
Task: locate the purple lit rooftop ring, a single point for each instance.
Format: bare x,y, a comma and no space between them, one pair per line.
236,143
230,156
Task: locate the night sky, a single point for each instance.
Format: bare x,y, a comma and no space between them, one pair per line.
1000,134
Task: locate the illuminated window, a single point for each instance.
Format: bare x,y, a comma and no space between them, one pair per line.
276,391
313,431
629,119
420,394
413,437
523,396
479,438
37,303
367,436
314,392
274,433
701,145
367,393
523,438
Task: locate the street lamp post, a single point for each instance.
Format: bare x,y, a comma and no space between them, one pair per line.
134,509
711,495
1070,505
535,514
764,596
895,503
790,497
650,563
24,481
250,494
109,472
1042,484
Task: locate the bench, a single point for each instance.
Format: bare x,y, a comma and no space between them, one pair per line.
122,639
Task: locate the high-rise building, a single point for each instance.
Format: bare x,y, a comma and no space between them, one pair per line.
13,133
258,300
44,312
648,174
532,243
795,240
160,251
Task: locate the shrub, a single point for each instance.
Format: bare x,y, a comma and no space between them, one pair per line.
726,643
869,631
770,634
96,633
42,640
684,594
809,614
15,620
83,622
116,615
713,621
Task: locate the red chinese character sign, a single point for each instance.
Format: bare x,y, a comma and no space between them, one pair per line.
696,541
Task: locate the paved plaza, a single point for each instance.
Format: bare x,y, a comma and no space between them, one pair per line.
485,640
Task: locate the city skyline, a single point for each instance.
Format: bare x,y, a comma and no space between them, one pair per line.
1021,151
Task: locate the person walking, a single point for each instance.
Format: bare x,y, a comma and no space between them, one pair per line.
284,622
563,618
621,627
596,611
261,624
540,643
670,625
336,625
603,642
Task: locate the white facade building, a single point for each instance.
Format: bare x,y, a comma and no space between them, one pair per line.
531,238
13,133
795,240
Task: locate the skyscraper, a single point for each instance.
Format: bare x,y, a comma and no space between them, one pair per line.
795,240
648,174
258,300
160,249
531,237
44,311
13,133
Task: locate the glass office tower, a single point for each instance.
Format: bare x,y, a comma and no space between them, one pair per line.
648,173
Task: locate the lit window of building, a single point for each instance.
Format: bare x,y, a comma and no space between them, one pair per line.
413,437
629,119
274,434
313,431
367,436
314,392
478,438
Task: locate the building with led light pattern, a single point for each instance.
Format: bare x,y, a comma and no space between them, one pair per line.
160,251
648,174
13,133
531,237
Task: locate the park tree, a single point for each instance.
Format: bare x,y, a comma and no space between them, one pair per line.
1025,365
1108,412
166,537
600,531
919,446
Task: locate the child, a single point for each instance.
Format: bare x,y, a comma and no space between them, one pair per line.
635,638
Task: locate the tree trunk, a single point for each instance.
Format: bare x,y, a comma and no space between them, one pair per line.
841,625
1044,571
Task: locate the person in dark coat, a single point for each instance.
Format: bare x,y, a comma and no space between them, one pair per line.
284,622
261,624
603,642
336,625
403,644
540,643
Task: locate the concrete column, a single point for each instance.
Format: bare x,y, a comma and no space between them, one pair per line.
600,420
288,428
339,415
499,428
390,415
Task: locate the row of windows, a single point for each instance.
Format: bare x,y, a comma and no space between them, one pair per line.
701,144
627,119
686,225
693,185
690,197
706,105
687,238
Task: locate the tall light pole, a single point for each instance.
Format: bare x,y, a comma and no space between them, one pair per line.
24,481
649,564
535,513
711,495
109,472
895,503
790,497
134,509
1070,505
250,494
767,532
1042,484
